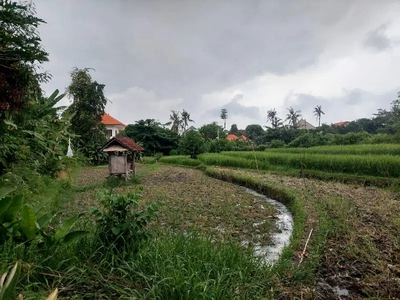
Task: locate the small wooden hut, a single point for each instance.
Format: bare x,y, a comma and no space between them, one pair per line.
121,156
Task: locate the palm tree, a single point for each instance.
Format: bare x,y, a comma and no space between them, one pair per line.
318,113
293,116
185,119
176,121
273,119
224,116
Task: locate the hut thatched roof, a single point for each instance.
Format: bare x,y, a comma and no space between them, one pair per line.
121,144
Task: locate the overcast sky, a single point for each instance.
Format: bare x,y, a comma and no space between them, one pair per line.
246,56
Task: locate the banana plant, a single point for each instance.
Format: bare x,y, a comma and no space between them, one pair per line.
9,281
21,223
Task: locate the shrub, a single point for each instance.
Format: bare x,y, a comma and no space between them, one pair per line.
192,143
173,152
121,224
277,144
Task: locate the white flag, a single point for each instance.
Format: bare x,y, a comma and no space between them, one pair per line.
69,152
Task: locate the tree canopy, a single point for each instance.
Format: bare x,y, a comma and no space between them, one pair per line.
87,108
21,54
152,136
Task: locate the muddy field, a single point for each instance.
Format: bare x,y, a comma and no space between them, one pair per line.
191,201
361,257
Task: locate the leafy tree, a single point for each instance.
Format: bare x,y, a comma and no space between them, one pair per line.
176,121
318,113
212,131
192,143
152,136
20,56
254,131
224,116
234,130
293,116
87,109
185,119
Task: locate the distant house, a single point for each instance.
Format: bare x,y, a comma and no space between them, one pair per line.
113,126
342,124
232,137
191,128
304,125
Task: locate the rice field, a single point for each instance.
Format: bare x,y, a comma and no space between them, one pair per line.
324,159
374,149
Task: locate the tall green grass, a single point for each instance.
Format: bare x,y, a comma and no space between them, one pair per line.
180,160
372,165
374,149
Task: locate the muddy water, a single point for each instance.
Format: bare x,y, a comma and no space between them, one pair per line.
280,239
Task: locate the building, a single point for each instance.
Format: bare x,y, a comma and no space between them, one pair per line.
113,126
121,155
342,124
304,125
232,137
191,128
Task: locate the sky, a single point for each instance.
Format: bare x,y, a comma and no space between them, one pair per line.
246,56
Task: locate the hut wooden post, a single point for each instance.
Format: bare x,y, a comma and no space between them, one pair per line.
134,163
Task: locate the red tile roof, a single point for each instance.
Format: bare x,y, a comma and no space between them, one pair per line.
344,124
124,142
232,137
106,119
128,143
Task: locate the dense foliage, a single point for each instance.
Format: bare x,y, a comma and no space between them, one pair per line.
87,110
20,56
192,143
153,137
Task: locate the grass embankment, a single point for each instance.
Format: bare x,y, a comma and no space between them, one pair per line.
363,149
365,170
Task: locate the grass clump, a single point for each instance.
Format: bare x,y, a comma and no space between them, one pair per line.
180,160
363,149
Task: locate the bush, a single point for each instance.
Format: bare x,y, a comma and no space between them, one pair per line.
173,152
192,143
120,224
277,144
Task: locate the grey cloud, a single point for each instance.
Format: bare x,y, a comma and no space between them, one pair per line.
235,109
377,39
355,104
176,49
184,49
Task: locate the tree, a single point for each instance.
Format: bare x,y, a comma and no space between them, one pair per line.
224,116
318,113
212,131
152,136
273,119
254,131
293,116
176,121
87,108
20,56
185,119
192,143
234,130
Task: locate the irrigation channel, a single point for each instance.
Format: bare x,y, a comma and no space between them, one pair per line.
284,223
